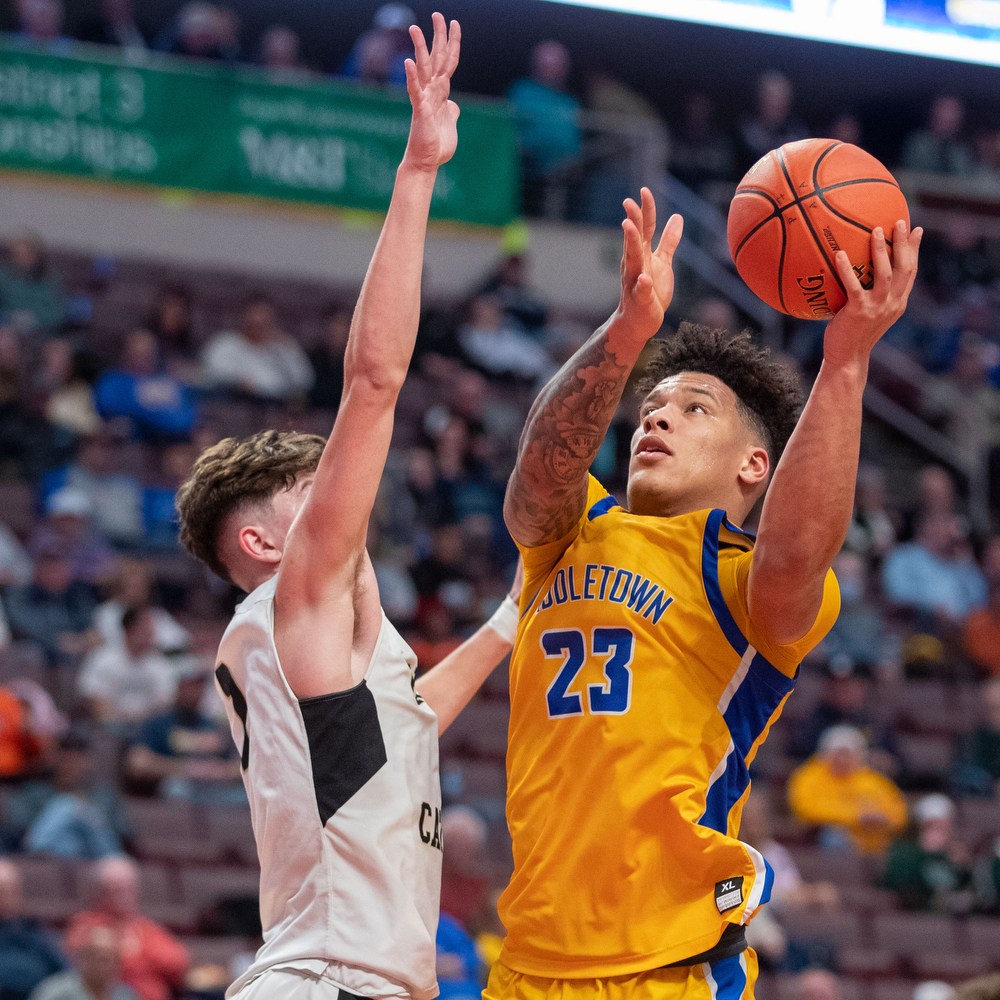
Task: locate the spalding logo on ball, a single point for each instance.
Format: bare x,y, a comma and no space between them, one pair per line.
799,205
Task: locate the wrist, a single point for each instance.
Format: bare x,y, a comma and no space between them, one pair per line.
504,620
626,338
853,368
410,166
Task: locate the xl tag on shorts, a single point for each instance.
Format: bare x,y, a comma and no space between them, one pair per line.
729,893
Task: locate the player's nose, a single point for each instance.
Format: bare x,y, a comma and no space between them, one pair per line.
656,419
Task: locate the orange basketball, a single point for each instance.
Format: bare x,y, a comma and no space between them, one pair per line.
799,205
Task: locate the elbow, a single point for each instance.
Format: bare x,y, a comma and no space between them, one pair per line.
377,380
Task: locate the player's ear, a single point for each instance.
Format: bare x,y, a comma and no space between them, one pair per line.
256,541
756,466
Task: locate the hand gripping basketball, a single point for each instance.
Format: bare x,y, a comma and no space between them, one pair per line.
857,327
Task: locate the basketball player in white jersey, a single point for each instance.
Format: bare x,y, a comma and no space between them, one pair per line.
339,746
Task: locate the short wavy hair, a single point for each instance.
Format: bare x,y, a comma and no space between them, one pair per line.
234,475
769,393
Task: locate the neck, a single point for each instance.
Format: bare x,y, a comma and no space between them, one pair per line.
736,505
252,578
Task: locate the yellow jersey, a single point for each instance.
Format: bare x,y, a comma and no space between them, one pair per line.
640,691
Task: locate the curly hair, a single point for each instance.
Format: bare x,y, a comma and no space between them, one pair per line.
236,474
768,393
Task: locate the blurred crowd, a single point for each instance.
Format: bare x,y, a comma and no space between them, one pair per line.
876,796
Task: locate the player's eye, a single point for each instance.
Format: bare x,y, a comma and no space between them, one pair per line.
696,406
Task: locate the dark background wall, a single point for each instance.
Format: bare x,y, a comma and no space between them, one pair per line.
660,58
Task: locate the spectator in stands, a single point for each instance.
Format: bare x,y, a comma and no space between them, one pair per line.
443,564
198,31
159,515
98,960
113,498
496,346
327,359
935,574
846,700
845,127
127,684
19,745
154,964
436,637
872,533
132,588
816,984
931,870
859,635
63,383
788,887
465,884
977,763
171,323
27,953
183,753
773,123
55,611
981,633
459,969
836,790
280,55
548,122
115,25
72,822
379,55
700,152
259,359
15,563
981,988
937,148
159,409
41,24
518,300
30,297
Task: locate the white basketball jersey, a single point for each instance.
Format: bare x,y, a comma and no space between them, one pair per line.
345,800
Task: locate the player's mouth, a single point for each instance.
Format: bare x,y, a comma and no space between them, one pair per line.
650,447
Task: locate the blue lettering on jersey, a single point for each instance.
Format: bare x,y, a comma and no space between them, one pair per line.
610,584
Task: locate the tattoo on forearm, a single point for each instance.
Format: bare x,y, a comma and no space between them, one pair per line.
561,437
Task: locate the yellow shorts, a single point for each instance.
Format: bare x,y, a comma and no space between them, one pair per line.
731,979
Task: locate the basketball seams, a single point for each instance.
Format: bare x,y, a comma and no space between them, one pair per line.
776,213
812,229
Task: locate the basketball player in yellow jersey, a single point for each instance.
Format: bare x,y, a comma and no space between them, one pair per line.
658,641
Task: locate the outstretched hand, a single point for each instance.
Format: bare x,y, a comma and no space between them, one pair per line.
433,131
647,275
859,325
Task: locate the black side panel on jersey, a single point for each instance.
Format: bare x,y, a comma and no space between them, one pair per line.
345,745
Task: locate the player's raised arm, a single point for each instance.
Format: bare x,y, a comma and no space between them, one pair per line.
548,490
807,510
326,544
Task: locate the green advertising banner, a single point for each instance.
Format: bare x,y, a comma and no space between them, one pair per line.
233,130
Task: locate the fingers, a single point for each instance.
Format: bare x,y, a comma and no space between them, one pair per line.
454,47
881,265
850,280
905,251
648,215
440,44
632,255
670,238
421,56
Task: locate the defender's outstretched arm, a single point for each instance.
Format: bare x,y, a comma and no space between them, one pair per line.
547,491
324,551
808,506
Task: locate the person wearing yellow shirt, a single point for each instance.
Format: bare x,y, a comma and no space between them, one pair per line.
835,789
658,640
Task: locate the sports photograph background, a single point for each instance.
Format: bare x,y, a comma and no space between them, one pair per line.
189,198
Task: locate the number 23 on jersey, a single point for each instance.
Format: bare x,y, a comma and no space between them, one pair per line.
614,697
